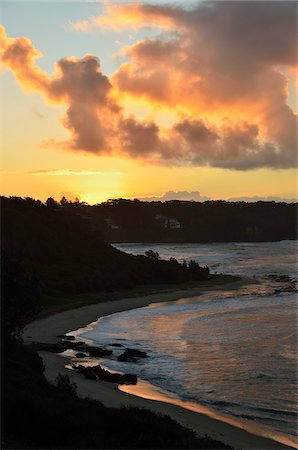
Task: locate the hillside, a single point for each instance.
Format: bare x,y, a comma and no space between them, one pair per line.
123,220
67,256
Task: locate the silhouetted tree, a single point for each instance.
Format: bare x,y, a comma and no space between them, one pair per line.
63,382
152,255
51,203
64,201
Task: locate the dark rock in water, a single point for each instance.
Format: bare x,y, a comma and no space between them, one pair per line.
80,368
81,347
135,353
220,403
98,352
66,337
116,345
98,373
130,378
290,288
88,372
118,378
80,355
73,345
125,358
279,278
97,369
58,347
131,354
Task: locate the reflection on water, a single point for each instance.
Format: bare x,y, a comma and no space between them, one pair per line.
237,258
149,391
232,351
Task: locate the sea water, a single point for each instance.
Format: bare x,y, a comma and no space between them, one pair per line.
233,351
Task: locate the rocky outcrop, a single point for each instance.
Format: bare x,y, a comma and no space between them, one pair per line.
98,351
66,337
80,355
98,373
131,355
58,347
80,345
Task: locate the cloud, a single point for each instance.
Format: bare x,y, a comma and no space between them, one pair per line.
180,195
128,16
19,55
77,83
66,172
220,59
219,65
139,138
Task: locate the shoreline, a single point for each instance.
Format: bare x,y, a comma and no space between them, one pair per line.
47,330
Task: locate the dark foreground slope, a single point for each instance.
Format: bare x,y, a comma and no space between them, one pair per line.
48,253
38,415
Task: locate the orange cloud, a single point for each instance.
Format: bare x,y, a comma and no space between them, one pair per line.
19,55
130,16
77,83
206,63
219,60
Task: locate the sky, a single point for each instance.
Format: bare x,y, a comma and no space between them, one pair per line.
154,100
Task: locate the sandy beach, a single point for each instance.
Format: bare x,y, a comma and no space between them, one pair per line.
47,330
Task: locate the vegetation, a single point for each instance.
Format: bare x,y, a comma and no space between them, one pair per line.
123,220
36,414
68,256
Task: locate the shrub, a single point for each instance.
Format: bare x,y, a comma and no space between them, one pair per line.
63,382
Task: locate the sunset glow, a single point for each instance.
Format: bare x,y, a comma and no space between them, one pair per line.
125,94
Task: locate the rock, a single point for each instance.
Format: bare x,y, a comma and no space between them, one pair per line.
282,278
98,373
118,378
125,358
98,351
66,336
73,345
116,345
58,347
79,368
135,353
131,354
81,347
130,378
279,278
97,369
80,355
88,372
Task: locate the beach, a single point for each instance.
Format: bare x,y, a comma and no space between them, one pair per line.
47,330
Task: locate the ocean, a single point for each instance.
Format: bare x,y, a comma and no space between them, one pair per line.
231,351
